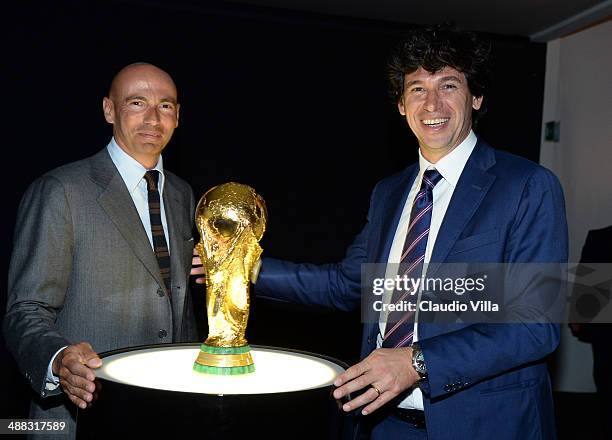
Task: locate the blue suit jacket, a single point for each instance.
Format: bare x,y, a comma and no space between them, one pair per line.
485,380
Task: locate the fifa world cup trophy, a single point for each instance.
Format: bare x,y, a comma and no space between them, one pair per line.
231,219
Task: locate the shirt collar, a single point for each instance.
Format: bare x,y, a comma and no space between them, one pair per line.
451,165
132,171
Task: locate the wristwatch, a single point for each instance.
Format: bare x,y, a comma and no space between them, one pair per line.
418,361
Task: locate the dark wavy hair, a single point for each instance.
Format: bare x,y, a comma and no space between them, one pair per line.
436,47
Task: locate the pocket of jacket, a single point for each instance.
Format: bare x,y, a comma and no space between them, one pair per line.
475,241
529,383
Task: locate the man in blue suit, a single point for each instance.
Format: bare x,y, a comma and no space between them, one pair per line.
462,202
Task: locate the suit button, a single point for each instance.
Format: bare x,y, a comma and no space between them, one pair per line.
447,388
162,334
160,292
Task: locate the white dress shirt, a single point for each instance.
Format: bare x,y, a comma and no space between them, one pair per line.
132,173
450,167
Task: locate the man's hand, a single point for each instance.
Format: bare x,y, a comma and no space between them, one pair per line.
388,370
74,366
197,268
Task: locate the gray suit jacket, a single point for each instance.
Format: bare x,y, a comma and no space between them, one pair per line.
83,269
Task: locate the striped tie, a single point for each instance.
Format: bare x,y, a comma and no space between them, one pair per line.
400,327
157,228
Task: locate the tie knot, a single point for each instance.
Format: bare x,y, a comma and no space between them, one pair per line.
152,176
431,178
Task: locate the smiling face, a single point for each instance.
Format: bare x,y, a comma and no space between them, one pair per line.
142,106
438,107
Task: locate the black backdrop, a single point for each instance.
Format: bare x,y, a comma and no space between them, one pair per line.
293,104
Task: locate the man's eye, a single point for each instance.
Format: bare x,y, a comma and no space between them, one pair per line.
417,89
137,103
167,106
449,86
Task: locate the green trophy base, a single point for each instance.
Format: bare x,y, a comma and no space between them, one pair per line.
224,360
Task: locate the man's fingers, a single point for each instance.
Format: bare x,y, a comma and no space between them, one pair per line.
78,402
389,369
377,403
85,347
74,367
90,357
82,354
94,361
83,351
76,377
197,270
354,385
352,379
351,373
196,260
361,400
79,382
77,395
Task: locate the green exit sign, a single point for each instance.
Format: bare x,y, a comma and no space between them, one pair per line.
552,131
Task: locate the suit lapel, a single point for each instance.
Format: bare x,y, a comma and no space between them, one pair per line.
172,208
119,206
396,199
473,185
394,204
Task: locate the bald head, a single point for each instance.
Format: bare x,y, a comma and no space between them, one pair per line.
134,71
142,106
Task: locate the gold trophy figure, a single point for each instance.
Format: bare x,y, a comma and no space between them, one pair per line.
231,219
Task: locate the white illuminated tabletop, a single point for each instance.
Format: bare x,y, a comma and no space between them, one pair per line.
170,369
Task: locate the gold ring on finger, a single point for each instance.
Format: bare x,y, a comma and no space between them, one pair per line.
377,391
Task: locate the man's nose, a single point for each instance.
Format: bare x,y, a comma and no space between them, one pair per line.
152,116
432,101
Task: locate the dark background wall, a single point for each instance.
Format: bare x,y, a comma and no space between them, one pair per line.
294,105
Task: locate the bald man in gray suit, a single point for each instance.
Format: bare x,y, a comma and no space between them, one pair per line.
84,275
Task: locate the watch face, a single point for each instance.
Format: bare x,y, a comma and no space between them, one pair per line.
419,363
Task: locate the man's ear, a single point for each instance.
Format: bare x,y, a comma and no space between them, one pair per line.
109,110
178,108
401,108
477,102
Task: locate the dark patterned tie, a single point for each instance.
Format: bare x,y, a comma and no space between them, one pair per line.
160,245
400,327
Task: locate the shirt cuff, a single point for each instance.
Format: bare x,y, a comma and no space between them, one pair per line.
52,381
